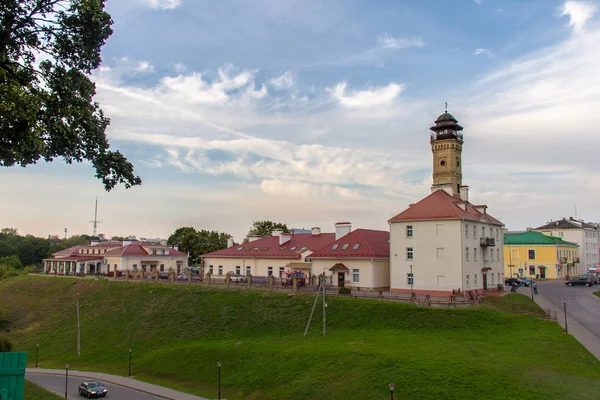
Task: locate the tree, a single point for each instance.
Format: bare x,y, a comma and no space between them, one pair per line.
265,228
32,250
46,108
195,243
11,262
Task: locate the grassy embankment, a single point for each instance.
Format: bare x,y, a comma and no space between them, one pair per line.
178,334
34,392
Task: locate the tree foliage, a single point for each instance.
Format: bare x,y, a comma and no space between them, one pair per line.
265,228
46,107
197,242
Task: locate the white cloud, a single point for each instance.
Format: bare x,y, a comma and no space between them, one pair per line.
283,188
144,66
366,98
483,51
164,4
387,41
284,81
579,13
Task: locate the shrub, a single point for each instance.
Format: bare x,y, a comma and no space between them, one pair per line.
5,344
10,274
32,269
344,290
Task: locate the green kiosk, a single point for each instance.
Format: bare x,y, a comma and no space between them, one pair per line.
12,375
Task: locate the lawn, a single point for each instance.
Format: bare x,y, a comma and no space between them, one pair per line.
34,392
178,333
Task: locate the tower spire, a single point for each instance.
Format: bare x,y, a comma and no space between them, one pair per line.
446,107
95,221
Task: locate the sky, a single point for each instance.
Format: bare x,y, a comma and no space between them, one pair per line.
317,111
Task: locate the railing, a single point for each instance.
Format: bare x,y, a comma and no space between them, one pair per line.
487,241
500,302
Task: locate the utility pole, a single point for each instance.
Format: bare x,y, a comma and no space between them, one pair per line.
324,308
95,221
78,329
65,233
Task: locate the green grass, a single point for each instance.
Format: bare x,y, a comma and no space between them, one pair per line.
178,333
34,392
597,294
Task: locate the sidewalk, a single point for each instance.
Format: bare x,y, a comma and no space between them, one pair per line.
587,338
130,383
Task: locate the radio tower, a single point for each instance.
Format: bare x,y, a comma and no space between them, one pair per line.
95,221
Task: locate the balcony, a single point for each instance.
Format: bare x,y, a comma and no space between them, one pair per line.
576,259
562,260
487,241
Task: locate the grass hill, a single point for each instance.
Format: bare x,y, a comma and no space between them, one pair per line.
178,333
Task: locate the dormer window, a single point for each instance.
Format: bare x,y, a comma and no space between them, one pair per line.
356,246
345,246
335,246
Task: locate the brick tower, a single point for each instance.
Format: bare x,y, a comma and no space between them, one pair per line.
446,146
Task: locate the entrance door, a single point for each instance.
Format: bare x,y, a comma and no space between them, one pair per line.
485,282
341,279
542,273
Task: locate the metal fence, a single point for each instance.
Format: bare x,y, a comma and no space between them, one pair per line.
519,308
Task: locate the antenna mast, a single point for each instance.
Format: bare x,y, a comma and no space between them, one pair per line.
95,221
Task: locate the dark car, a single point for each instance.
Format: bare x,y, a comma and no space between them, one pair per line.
163,275
91,389
593,277
526,281
580,280
510,281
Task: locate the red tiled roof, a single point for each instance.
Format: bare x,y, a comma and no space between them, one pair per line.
77,258
440,205
269,247
371,244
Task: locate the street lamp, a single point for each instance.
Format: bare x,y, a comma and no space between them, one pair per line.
66,380
37,352
391,385
130,363
219,367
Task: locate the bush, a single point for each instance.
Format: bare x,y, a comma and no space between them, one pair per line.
344,290
31,269
10,274
5,344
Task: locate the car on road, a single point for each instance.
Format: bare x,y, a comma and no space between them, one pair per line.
92,389
184,277
163,275
510,281
593,277
237,278
579,280
527,281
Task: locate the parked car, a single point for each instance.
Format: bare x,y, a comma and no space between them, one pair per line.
237,278
184,277
91,389
593,277
526,281
510,281
579,280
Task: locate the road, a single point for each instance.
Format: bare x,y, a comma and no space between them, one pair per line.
583,310
56,384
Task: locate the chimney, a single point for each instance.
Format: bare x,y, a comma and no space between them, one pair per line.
316,230
176,248
284,238
464,193
342,229
276,232
529,229
230,242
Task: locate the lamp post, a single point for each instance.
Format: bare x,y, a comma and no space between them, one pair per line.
37,352
66,381
130,363
219,377
391,385
566,325
531,287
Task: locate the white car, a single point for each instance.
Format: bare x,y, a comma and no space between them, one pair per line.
237,278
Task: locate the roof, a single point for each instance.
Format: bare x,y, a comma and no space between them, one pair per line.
269,247
534,238
136,249
77,258
439,205
567,224
360,243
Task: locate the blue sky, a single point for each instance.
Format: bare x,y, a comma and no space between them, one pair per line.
309,112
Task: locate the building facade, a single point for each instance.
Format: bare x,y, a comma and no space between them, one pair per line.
444,243
586,235
539,256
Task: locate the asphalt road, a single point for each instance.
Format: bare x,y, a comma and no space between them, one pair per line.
582,305
56,384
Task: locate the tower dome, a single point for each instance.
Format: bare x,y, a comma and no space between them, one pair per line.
446,127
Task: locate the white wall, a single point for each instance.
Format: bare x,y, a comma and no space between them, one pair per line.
373,274
258,266
471,266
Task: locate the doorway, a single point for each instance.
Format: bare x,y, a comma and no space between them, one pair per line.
485,285
542,273
341,279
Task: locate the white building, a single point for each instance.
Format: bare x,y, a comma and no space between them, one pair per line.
586,235
444,243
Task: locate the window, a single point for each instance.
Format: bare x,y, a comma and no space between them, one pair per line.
492,276
335,246
293,248
134,267
498,254
210,269
345,246
532,270
475,253
162,252
560,234
281,269
409,231
474,232
467,280
440,252
497,234
248,270
355,275
87,251
220,270
466,230
483,231
409,253
531,254
356,246
269,271
439,229
237,270
441,280
162,267
492,254
475,279
467,253
410,279
240,248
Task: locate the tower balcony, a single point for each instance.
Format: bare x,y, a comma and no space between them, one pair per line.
487,241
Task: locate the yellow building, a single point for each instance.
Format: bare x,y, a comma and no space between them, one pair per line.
533,254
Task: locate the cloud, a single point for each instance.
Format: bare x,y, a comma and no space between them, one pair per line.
483,51
284,81
164,4
283,188
179,68
387,41
366,98
579,13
